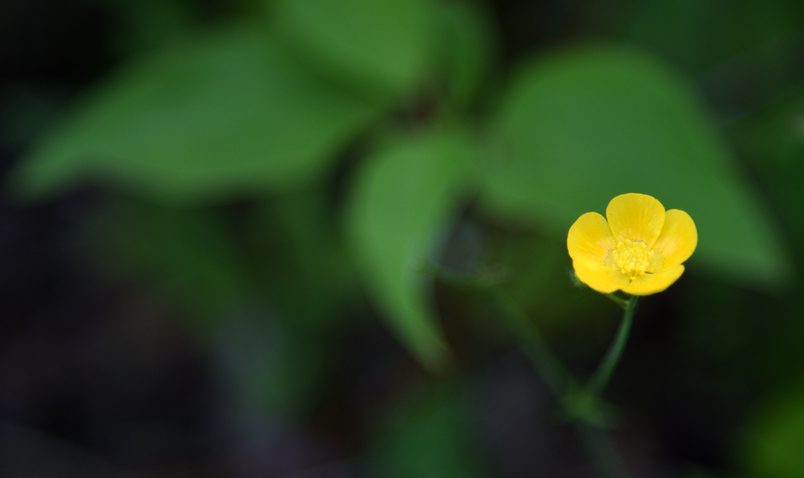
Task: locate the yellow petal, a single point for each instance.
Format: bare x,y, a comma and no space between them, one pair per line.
653,283
599,277
589,238
635,217
678,239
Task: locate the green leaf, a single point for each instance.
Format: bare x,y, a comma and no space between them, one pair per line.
223,115
579,128
401,205
382,46
466,49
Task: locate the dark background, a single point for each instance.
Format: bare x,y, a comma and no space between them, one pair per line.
221,221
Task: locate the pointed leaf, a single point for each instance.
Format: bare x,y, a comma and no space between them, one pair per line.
381,46
199,120
401,205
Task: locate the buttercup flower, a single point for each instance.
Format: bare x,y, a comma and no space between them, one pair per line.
639,250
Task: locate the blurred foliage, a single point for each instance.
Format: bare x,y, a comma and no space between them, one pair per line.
466,51
192,123
382,47
402,201
266,164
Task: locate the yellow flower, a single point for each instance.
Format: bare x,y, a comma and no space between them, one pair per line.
640,250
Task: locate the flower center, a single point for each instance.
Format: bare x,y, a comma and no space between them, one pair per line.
632,258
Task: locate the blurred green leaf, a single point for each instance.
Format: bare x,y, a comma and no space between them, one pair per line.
401,204
579,128
430,439
216,116
772,441
381,46
466,46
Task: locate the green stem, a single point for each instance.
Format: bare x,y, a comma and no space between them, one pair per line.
552,371
618,300
606,368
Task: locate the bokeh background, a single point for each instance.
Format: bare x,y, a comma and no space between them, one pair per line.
233,235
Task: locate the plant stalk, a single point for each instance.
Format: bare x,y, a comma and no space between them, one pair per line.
600,379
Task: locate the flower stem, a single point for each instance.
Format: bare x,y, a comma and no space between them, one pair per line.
606,368
618,300
553,372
